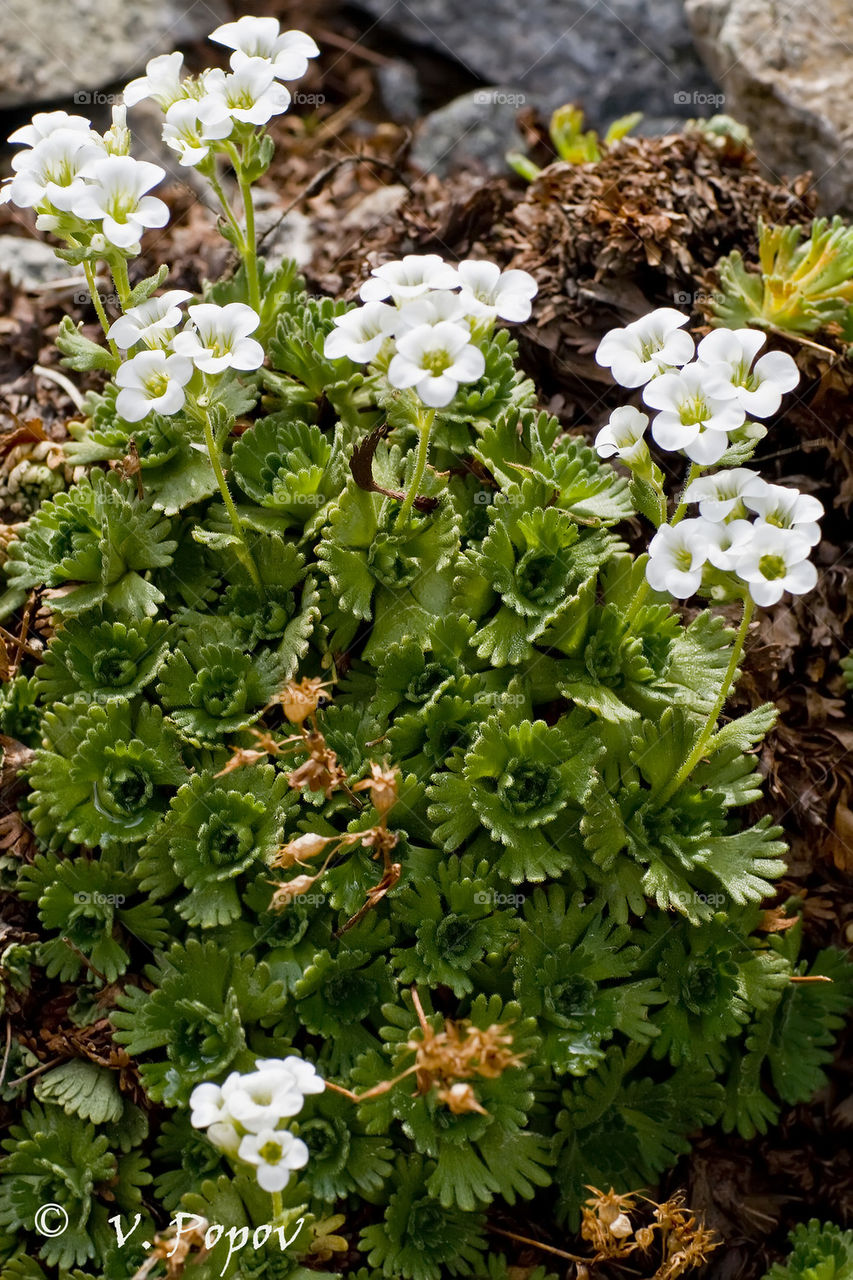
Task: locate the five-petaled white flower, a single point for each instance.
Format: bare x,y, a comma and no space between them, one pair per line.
152,322
152,382
773,561
409,277
162,82
249,37
359,334
250,94
275,1154
219,338
788,509
51,172
116,192
728,355
676,556
46,123
691,419
434,359
718,495
644,348
623,436
264,1096
489,292
192,124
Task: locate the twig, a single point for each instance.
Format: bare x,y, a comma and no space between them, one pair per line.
8,1051
53,375
537,1244
36,1071
319,181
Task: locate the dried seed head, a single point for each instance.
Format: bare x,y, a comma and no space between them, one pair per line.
300,699
461,1099
300,849
383,786
621,1227
285,893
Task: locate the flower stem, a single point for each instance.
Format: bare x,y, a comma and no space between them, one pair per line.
118,266
711,723
91,281
216,463
277,1206
230,216
678,514
250,256
424,429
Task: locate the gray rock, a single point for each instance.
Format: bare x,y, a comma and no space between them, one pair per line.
57,49
610,57
787,72
471,132
32,265
400,91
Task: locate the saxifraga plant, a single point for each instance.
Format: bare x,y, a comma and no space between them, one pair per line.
392,861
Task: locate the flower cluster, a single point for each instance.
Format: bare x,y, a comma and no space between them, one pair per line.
214,339
83,184
203,113
243,1116
700,402
768,553
426,320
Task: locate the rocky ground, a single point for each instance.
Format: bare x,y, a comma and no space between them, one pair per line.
360,176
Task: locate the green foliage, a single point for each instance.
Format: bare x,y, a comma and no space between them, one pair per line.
802,285
537,885
819,1252
572,142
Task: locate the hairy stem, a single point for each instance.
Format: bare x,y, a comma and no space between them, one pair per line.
711,723
91,281
118,266
277,1206
424,428
216,463
250,256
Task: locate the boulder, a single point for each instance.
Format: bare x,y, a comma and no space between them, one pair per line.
787,72
54,50
626,55
474,131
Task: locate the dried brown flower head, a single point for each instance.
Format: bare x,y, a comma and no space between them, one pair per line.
383,785
300,698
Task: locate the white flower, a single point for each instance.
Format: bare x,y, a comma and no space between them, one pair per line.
51,171
434,359
162,82
728,355
45,123
429,308
219,338
207,1104
152,382
690,419
192,124
116,193
774,561
788,509
304,1073
489,292
249,37
151,322
718,495
225,1135
360,333
642,349
275,1154
409,277
727,541
676,557
250,94
623,436
263,1097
